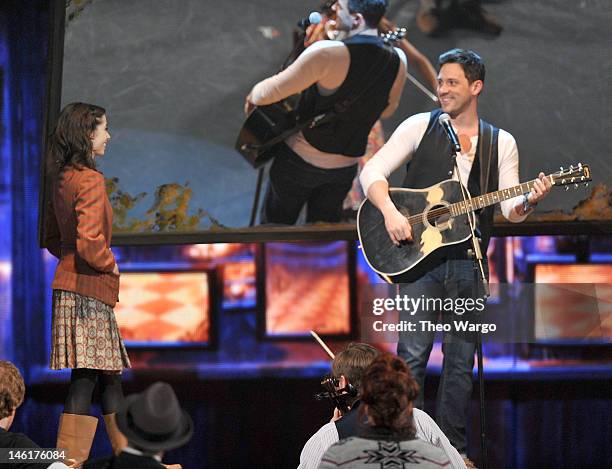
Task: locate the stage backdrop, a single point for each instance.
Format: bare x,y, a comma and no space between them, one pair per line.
173,76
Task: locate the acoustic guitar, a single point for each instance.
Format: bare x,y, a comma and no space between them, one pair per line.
438,218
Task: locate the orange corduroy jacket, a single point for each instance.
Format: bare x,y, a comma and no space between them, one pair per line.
78,228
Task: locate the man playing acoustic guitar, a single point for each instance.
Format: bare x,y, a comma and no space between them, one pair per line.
360,79
489,158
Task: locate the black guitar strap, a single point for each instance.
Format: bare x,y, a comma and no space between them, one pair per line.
488,167
489,159
489,175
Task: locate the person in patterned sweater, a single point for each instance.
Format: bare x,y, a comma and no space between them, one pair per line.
389,440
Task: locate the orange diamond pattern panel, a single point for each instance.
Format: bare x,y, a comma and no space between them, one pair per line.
164,307
304,293
573,301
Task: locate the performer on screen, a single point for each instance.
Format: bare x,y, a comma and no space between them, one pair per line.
84,335
316,167
421,142
376,138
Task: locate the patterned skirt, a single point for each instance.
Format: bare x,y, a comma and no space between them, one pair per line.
84,334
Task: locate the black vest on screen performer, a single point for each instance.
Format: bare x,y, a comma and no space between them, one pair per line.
348,133
432,163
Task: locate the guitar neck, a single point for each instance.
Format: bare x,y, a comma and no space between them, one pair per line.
476,203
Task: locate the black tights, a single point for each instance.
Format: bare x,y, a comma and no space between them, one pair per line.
82,385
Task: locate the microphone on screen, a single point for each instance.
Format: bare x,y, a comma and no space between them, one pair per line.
314,18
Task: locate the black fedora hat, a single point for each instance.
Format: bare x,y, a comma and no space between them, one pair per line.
153,419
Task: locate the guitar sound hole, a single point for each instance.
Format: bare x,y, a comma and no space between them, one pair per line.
439,216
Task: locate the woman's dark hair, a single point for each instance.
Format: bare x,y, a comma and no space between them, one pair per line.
388,388
70,142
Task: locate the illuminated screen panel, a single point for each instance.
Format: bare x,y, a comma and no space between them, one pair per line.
307,287
165,308
573,302
239,288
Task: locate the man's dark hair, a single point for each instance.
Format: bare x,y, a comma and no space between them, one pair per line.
371,10
472,64
353,361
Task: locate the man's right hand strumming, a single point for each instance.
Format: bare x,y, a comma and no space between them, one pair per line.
397,225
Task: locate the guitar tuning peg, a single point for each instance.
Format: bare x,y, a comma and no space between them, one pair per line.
579,165
561,168
566,188
571,167
575,186
586,184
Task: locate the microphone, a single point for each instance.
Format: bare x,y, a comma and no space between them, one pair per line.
445,122
314,18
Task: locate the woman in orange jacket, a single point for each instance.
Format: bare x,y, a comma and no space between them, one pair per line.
85,336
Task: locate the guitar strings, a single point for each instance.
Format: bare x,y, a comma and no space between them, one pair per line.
433,214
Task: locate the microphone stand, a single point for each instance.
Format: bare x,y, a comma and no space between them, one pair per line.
476,255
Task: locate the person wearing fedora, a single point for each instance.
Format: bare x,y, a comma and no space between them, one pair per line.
152,422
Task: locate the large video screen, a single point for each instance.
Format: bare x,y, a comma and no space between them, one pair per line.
166,308
573,302
173,76
306,287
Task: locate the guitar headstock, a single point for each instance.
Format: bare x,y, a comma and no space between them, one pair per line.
393,36
575,174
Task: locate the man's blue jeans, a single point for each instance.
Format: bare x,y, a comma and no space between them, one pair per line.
453,279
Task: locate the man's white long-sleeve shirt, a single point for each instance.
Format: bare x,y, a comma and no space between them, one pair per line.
405,141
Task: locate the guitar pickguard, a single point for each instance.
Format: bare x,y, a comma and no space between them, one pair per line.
435,195
431,239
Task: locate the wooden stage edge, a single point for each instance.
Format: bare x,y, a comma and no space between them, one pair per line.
338,232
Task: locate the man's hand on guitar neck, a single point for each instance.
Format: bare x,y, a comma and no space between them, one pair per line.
541,188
